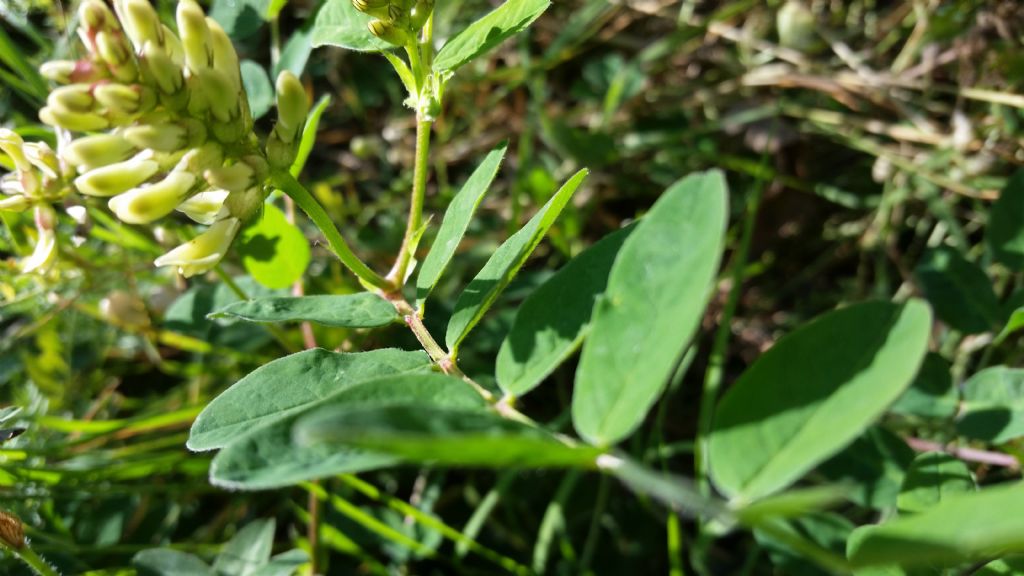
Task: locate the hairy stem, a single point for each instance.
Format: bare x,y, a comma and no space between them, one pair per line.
290,186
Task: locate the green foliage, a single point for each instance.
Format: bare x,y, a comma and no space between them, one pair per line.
339,24
274,251
993,405
363,310
1004,235
932,478
959,291
509,19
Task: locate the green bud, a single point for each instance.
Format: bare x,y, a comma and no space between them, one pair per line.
235,178
246,204
122,99
376,8
202,158
142,23
73,98
203,252
218,93
390,33
292,105
98,150
232,132
195,36
225,59
164,72
18,203
172,46
205,207
114,179
280,154
114,50
159,137
420,13
96,16
151,202
75,121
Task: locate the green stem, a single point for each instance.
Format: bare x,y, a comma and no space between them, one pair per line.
290,186
419,190
594,532
34,561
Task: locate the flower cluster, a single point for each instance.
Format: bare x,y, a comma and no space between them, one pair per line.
396,21
167,127
38,179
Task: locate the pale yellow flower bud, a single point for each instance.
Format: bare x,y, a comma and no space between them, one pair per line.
292,105
12,145
160,137
142,23
164,72
234,178
117,178
73,98
45,251
43,158
151,202
195,36
199,160
205,251
225,59
115,51
205,207
75,121
17,203
98,150
125,100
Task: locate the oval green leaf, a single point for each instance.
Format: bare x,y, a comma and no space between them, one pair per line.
247,550
993,405
269,458
339,24
959,291
813,393
932,478
274,251
485,34
363,310
503,265
657,290
257,87
168,562
550,324
292,384
456,220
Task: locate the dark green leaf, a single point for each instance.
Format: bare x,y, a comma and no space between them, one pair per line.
993,405
248,550
550,325
814,392
292,384
274,251
959,291
980,525
1014,324
503,265
240,18
167,562
873,467
456,220
1005,232
932,394
932,478
826,530
257,87
339,24
488,32
442,436
363,310
269,458
657,290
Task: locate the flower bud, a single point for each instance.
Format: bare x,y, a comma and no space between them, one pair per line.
116,178
11,531
160,137
124,309
234,178
375,8
142,23
17,203
420,13
172,46
292,105
45,251
202,158
280,154
164,72
59,71
245,205
12,145
390,33
205,207
95,16
115,51
195,36
125,100
202,253
225,59
147,203
73,98
74,121
219,93
43,158
98,150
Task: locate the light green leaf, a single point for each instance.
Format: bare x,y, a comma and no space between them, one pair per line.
503,265
791,504
284,564
456,220
873,467
363,310
932,394
932,478
812,393
1004,235
442,436
959,291
248,550
273,251
269,457
993,405
488,32
296,51
308,139
657,290
339,24
1014,324
240,18
292,384
257,87
167,562
968,527
550,325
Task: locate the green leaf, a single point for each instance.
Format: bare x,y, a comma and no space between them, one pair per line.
787,543
9,412
257,87
488,32
932,478
284,564
932,394
1004,235
339,24
873,467
504,264
1014,324
814,392
791,504
296,51
993,405
274,251
442,436
959,291
657,290
240,18
363,310
167,562
292,384
456,220
269,457
984,524
248,550
551,323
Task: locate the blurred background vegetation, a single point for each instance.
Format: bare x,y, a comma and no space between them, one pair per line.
856,134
